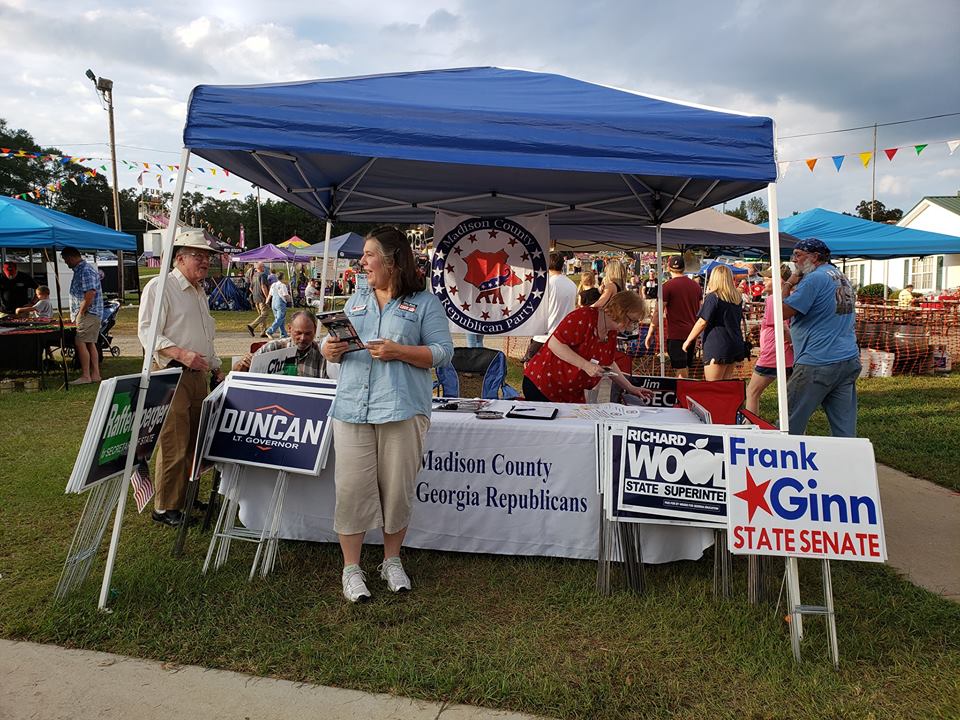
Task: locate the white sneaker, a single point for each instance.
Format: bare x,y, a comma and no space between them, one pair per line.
354,584
391,570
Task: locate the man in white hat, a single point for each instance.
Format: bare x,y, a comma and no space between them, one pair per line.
184,339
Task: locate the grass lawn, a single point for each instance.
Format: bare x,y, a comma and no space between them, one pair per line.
526,634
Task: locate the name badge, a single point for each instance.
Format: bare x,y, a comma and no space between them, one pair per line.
357,309
408,307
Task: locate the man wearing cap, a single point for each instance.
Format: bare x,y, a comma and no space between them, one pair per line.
681,303
184,339
86,309
15,288
826,357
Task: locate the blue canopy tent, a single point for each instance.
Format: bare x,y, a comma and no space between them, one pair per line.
348,245
25,225
710,266
848,236
481,141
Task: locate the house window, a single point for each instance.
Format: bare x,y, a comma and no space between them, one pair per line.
923,273
854,273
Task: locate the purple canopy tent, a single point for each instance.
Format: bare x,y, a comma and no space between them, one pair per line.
266,253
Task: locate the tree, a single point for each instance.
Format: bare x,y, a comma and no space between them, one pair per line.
753,211
880,212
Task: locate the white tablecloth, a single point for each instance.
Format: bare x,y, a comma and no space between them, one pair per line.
483,489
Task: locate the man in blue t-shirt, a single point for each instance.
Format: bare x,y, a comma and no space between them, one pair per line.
826,356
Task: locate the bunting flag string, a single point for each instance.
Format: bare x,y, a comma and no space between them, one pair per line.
867,157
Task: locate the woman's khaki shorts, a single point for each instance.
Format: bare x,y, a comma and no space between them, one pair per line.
88,328
375,472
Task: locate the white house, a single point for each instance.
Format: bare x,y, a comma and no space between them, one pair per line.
928,274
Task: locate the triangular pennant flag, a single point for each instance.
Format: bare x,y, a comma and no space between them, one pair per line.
226,172
213,171
838,161
866,157
812,163
200,169
140,180
5,150
890,152
146,166
953,145
222,192
919,148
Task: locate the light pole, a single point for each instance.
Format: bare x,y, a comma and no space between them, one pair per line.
105,88
106,222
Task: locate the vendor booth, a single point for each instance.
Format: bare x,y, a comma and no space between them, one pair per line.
24,225
484,142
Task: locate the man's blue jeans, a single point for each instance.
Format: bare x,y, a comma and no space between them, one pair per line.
279,318
833,386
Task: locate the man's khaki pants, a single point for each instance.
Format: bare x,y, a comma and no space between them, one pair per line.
265,315
177,441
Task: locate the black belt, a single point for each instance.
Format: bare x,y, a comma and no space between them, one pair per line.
177,363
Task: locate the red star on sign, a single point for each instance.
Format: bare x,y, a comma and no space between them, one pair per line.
528,277
472,238
457,250
491,233
485,315
755,496
512,241
453,289
521,297
525,256
449,268
506,311
465,307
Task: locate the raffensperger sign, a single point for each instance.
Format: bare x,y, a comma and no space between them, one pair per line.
799,496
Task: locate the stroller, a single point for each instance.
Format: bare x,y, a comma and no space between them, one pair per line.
104,338
109,319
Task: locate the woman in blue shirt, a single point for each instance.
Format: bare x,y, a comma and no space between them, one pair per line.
382,409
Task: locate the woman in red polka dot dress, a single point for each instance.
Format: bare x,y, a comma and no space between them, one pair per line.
581,349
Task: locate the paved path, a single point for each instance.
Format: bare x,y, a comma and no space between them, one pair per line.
921,522
46,682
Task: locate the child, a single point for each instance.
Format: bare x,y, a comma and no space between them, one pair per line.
41,308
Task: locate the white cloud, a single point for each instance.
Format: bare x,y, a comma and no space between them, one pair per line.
193,33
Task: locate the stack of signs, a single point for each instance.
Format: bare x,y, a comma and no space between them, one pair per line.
809,497
103,453
668,474
273,421
276,362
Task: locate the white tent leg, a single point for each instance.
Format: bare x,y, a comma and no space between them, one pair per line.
323,268
165,261
660,343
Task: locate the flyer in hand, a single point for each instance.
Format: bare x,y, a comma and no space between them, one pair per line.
339,327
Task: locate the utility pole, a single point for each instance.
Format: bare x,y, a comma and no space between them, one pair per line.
873,190
105,88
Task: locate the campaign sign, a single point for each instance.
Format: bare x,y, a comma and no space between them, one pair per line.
798,496
276,362
663,391
110,456
672,472
270,427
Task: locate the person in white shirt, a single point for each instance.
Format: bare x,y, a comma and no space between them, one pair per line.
279,299
561,301
184,339
312,293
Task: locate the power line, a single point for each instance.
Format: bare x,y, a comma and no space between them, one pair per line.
869,127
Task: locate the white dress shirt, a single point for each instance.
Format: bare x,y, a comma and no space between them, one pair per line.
186,321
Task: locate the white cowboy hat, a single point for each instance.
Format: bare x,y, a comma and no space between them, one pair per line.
193,238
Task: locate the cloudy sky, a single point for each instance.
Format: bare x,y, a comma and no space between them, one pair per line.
814,66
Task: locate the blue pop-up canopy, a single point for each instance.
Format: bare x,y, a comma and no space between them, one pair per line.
483,141
348,245
849,236
25,225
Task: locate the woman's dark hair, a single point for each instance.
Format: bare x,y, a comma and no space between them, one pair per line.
396,254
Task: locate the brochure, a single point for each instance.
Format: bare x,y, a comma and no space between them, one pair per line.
339,327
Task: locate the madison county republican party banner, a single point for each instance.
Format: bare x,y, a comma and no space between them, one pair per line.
490,273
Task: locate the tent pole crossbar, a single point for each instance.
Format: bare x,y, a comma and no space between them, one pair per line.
275,154
678,196
311,190
607,201
706,192
351,184
614,213
269,170
637,196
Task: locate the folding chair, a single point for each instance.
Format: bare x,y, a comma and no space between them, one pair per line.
475,372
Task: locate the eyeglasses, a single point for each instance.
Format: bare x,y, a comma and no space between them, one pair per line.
198,255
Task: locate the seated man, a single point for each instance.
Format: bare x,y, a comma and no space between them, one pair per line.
905,298
312,294
303,331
